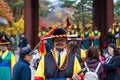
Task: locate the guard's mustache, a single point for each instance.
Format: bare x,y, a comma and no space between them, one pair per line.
59,44
59,50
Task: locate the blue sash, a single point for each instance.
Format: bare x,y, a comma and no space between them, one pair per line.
4,63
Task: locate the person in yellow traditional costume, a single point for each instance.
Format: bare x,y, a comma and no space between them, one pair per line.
7,60
59,64
116,34
73,30
42,31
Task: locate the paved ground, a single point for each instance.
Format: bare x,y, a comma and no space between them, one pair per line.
32,69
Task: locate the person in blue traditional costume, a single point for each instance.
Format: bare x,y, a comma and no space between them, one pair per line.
59,64
86,38
95,37
7,60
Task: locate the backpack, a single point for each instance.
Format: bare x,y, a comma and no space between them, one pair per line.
91,74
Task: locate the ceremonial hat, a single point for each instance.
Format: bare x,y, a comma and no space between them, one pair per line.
4,40
59,31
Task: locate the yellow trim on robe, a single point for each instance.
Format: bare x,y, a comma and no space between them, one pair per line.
113,31
12,58
68,33
82,34
90,34
0,53
83,54
62,60
117,38
12,61
5,54
94,35
76,33
77,67
40,69
39,34
99,33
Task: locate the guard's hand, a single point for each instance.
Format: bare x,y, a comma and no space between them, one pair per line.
76,77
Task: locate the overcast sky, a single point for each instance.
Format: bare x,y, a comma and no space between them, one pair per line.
55,3
52,0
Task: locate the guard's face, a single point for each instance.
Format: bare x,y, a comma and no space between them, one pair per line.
60,43
3,47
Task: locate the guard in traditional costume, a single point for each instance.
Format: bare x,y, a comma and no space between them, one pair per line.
7,60
95,37
116,35
86,38
59,64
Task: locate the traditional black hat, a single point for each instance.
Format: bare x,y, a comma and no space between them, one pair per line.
59,31
4,40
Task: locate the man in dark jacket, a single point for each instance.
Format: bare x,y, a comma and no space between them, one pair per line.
21,69
23,41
